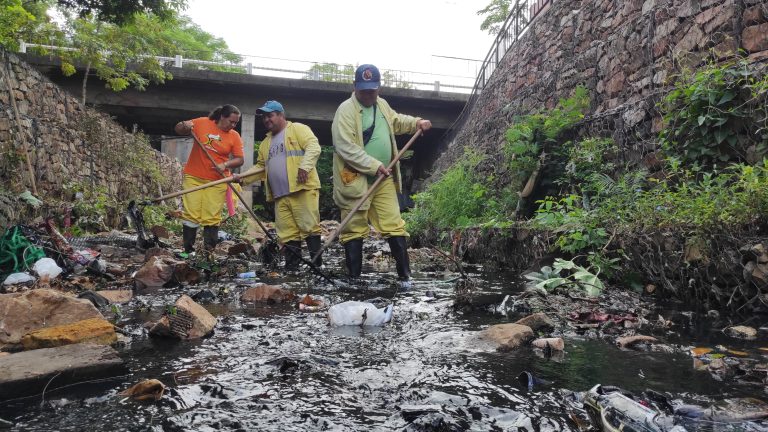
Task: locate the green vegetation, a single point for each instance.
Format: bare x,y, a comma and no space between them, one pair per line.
565,274
459,199
717,115
113,38
712,176
497,11
331,72
485,201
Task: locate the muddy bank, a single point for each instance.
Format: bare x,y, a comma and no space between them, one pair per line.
723,272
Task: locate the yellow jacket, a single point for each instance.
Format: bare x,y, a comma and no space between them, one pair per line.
303,151
350,161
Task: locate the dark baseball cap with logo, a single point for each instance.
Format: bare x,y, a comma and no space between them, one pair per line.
367,77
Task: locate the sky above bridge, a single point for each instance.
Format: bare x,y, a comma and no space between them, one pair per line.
406,35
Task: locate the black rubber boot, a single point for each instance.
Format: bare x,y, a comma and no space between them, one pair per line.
292,255
399,248
353,254
314,244
189,235
210,237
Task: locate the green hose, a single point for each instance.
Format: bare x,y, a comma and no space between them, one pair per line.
17,254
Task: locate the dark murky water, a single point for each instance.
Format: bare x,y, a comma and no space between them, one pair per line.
275,368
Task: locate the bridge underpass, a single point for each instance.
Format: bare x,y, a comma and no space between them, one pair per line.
193,93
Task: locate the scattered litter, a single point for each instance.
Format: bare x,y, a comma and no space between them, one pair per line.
357,313
46,268
18,278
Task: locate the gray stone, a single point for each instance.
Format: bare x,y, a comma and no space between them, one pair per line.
28,373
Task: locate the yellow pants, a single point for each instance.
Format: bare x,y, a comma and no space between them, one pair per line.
297,215
202,207
383,214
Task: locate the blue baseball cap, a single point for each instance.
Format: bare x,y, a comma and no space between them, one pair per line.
271,106
367,77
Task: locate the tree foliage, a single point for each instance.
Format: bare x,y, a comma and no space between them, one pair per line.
495,13
123,11
331,72
123,55
26,21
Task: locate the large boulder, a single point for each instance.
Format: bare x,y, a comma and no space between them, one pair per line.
21,313
507,336
94,330
188,320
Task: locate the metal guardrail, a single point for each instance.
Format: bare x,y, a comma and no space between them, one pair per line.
301,69
522,12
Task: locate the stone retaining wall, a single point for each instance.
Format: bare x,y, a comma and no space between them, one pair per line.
625,52
72,144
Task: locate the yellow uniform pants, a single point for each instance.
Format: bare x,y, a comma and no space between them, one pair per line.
383,214
202,207
297,215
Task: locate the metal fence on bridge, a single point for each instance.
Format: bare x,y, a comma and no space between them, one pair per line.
522,12
301,69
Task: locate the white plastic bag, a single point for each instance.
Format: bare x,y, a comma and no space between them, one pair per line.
17,278
359,314
46,268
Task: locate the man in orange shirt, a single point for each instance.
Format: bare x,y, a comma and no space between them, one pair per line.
203,208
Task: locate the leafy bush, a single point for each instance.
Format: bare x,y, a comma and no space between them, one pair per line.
565,274
717,114
457,199
577,228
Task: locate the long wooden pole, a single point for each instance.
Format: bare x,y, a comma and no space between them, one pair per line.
229,179
368,193
253,215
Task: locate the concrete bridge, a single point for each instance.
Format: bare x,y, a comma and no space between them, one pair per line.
193,93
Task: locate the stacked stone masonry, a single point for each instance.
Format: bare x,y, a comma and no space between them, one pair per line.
625,53
59,150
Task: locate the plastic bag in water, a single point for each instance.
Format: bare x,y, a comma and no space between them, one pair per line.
46,268
359,314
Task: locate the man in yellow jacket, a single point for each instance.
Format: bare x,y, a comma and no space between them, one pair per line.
288,156
364,130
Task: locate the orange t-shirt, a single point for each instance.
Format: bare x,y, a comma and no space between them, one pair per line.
220,146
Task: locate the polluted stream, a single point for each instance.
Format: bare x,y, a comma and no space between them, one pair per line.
273,367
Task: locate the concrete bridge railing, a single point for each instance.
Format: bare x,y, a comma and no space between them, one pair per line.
301,69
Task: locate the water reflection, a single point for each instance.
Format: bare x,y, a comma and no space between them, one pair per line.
271,367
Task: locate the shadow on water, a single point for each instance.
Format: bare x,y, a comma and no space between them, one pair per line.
271,367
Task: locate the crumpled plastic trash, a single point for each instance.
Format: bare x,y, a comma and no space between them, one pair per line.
18,278
30,199
46,268
357,313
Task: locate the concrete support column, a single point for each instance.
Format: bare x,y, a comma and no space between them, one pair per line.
248,135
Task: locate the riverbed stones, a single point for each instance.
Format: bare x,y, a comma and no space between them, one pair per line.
28,373
117,296
630,341
741,332
94,330
186,320
267,293
507,336
32,310
537,321
556,344
156,272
